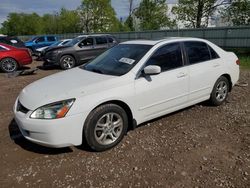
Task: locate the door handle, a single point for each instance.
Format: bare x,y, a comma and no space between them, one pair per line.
181,75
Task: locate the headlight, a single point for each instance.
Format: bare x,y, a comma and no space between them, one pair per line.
53,111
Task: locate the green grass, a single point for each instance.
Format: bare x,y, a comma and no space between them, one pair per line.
244,56
244,61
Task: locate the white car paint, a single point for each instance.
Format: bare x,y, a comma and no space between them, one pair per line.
164,93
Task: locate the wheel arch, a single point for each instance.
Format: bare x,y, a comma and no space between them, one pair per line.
228,77
70,54
131,121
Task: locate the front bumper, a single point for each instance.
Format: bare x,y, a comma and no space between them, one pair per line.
51,58
54,133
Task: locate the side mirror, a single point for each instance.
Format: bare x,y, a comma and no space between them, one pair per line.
152,69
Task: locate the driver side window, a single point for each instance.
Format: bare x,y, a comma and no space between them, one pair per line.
40,39
86,42
167,57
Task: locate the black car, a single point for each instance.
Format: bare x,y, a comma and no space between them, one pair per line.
81,49
13,41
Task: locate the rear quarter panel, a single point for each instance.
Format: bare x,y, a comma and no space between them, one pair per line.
229,60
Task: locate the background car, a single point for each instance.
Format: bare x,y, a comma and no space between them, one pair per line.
40,41
11,57
81,49
58,43
13,41
129,84
39,52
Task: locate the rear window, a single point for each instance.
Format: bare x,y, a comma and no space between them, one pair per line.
214,55
197,52
51,39
101,40
2,49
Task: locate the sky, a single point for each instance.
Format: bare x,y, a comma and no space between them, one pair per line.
49,6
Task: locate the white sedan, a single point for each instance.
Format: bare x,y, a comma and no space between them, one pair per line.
131,83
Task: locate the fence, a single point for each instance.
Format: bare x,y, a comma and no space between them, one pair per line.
226,37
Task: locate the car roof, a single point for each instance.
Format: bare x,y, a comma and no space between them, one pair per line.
163,40
94,35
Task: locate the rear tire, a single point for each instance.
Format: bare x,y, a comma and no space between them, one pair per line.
105,127
67,62
220,91
8,65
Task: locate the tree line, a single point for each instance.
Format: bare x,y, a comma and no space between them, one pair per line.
99,16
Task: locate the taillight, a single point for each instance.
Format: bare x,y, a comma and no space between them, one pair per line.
238,62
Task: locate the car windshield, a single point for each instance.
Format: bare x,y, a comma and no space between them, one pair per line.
74,41
117,60
32,39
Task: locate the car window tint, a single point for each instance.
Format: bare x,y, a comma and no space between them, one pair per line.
40,39
197,52
101,40
86,42
167,57
5,41
110,39
2,49
64,42
214,55
51,39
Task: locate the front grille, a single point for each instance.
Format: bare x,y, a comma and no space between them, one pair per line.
21,108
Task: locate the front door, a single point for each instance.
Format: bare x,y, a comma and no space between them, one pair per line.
86,49
159,94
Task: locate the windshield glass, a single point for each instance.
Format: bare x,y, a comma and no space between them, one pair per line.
118,60
32,39
74,41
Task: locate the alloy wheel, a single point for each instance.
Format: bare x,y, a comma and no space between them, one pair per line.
9,65
68,62
221,91
108,128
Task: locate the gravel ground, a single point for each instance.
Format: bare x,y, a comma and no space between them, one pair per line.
201,146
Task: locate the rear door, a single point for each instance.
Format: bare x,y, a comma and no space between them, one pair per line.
101,44
86,49
204,69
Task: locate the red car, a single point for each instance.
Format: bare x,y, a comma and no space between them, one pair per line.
11,57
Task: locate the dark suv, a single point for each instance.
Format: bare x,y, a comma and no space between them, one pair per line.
80,50
13,41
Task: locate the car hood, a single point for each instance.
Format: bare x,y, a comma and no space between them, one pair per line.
29,43
41,49
68,84
53,48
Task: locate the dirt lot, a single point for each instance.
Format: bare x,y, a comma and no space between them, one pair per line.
201,146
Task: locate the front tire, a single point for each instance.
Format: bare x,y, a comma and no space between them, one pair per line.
8,65
105,127
220,91
67,62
